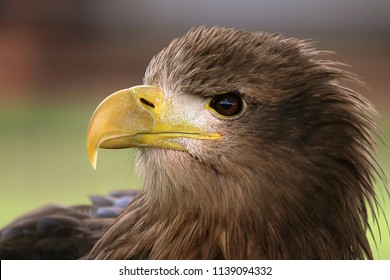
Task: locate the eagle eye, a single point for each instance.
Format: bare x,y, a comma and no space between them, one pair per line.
229,104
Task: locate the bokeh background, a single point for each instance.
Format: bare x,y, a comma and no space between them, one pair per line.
58,59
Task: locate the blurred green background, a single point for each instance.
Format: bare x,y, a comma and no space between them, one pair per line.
59,59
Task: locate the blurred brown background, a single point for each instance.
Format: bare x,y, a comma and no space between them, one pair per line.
58,59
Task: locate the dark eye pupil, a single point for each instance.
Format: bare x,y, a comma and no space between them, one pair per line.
228,104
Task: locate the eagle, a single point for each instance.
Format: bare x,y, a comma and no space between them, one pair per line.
248,147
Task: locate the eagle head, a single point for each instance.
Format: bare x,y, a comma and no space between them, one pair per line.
248,147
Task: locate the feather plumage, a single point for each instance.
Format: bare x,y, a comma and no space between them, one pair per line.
291,178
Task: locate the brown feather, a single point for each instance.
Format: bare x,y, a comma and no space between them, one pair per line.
59,232
292,178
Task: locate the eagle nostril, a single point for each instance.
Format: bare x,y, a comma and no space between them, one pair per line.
147,103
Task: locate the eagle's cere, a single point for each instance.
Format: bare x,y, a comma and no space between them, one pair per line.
249,148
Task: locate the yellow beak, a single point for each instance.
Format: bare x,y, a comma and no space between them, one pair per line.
139,117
